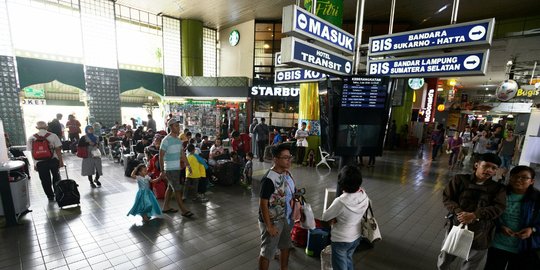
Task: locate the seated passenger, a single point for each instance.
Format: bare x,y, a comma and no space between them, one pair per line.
205,144
153,149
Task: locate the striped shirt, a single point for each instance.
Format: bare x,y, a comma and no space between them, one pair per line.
173,153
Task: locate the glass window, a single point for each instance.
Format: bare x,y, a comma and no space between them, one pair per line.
209,52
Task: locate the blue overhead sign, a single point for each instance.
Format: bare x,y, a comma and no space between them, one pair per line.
300,23
299,53
277,60
298,75
455,35
456,64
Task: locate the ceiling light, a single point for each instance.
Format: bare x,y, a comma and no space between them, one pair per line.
266,46
452,82
442,9
510,116
487,88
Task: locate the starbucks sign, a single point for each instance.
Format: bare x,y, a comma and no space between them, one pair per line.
234,37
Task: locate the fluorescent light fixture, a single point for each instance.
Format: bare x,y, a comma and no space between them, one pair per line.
487,88
442,9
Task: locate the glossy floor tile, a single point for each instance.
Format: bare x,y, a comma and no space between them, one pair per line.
223,234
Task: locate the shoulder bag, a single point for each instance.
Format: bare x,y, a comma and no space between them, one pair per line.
370,228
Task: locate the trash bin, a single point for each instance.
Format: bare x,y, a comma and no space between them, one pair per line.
18,183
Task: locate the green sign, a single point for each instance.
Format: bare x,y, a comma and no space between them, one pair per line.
34,93
329,10
416,83
201,102
234,37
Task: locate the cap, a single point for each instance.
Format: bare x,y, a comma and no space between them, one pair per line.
172,121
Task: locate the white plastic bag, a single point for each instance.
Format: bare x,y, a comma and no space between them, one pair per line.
326,258
459,241
309,218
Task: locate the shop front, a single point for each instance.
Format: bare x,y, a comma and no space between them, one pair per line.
210,110
278,104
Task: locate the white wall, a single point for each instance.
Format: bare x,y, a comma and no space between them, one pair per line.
238,60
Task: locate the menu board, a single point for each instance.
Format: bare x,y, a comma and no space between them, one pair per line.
364,92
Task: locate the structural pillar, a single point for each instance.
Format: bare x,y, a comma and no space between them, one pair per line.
192,47
331,11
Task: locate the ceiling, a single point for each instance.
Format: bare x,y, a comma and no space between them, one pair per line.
416,14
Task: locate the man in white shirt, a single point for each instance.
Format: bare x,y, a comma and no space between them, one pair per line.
47,166
301,142
466,147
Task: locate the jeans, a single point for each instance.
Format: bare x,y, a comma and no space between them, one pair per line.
436,148
342,253
261,146
45,169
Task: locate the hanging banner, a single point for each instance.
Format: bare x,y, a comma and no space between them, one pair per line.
456,64
299,75
449,36
300,23
296,52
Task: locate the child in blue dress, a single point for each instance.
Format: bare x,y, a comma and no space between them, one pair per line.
146,203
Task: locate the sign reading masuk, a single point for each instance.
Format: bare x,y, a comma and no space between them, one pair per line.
299,22
301,53
456,35
462,64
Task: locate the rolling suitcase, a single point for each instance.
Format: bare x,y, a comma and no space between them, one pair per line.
66,146
67,192
318,239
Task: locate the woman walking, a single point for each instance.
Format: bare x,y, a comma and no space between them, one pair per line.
92,163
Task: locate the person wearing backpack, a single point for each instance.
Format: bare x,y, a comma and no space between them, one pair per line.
46,149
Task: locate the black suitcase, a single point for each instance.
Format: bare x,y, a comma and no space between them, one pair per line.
67,192
227,173
73,146
130,166
66,146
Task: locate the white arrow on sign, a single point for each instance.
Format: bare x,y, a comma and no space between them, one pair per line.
477,32
471,62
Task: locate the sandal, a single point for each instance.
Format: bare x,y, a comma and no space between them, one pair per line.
170,210
187,214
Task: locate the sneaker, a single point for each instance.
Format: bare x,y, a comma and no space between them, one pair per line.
97,182
93,185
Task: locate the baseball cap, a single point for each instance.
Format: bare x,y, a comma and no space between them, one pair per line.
172,121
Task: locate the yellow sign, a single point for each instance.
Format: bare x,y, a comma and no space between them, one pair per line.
527,93
440,108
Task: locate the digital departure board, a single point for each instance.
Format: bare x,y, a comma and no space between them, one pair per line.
364,92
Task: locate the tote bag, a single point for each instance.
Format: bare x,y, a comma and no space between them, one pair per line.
459,241
309,221
370,227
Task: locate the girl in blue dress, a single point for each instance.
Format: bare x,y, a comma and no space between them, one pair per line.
146,203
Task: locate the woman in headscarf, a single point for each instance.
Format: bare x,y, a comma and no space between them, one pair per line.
92,163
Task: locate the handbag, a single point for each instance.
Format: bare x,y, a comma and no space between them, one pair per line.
82,151
96,153
297,209
458,242
369,226
308,221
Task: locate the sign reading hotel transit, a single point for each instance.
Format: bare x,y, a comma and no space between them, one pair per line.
300,23
455,35
299,53
455,64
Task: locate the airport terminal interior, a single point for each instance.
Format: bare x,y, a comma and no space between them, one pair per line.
397,88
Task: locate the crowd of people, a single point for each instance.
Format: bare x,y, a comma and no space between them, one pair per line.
504,215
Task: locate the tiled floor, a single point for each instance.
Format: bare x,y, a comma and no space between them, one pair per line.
406,194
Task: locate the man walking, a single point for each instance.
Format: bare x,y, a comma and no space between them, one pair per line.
56,127
253,135
262,131
275,208
151,123
173,160
46,150
475,200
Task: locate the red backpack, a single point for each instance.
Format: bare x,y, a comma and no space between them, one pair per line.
40,147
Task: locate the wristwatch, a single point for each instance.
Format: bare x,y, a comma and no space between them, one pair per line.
533,229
